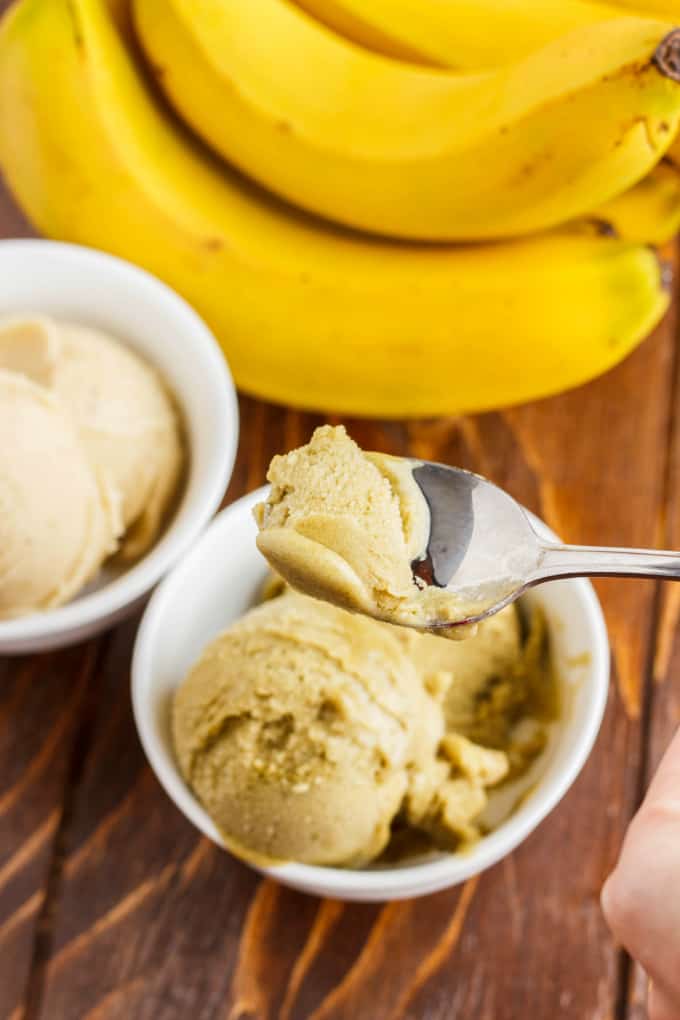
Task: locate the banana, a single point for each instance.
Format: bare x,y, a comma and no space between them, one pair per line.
463,35
649,213
668,9
307,314
409,152
673,153
121,12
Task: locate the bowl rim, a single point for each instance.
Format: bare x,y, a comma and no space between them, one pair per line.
190,520
402,881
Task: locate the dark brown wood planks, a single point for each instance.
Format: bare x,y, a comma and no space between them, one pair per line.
42,708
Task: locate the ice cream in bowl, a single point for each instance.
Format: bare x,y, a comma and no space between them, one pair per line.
119,428
349,757
95,459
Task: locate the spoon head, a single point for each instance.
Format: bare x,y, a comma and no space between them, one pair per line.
482,547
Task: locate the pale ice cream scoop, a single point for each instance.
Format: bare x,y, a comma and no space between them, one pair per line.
125,417
58,518
346,526
305,731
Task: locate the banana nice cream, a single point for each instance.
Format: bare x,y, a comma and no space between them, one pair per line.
315,734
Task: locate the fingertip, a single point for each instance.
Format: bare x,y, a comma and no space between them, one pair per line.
620,907
606,895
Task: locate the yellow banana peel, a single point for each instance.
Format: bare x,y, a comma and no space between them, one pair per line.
462,35
668,9
307,314
410,152
649,213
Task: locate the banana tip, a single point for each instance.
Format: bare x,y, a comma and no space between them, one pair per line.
667,55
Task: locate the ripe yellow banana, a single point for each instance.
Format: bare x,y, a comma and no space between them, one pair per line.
462,35
307,314
673,153
668,9
407,151
649,213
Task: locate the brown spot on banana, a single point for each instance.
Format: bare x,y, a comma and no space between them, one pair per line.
75,25
602,227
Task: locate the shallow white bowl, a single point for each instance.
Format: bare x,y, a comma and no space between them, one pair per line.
86,286
219,579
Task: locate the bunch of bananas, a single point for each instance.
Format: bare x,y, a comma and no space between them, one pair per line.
403,133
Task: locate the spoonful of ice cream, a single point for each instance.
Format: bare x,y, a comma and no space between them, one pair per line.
414,543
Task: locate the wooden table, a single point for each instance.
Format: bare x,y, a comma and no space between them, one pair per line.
112,907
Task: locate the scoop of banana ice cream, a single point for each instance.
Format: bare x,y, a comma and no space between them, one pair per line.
122,410
345,526
58,519
305,731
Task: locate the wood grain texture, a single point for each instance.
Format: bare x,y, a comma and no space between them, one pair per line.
111,906
42,705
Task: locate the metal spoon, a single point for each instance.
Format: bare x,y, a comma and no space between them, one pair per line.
485,551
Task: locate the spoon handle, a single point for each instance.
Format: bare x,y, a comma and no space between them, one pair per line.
589,561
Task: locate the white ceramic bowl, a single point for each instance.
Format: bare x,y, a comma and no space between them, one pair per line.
219,579
89,287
